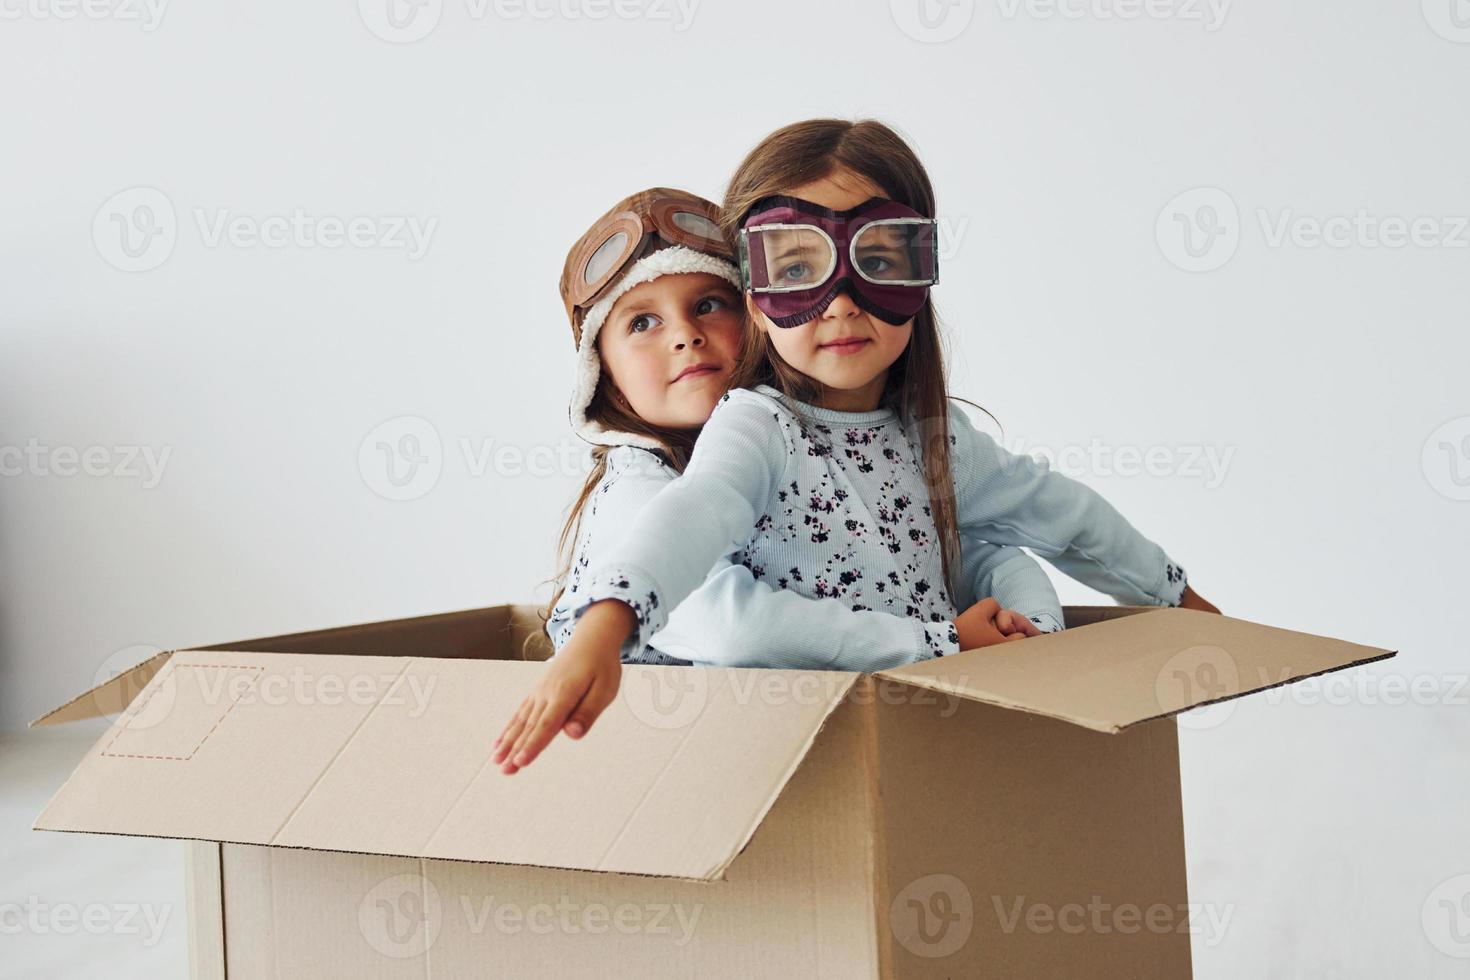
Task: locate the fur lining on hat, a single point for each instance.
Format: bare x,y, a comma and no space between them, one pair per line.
669,261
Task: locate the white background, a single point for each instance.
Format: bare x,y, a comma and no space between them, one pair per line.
1060,140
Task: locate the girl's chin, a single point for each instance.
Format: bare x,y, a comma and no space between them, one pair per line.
835,377
690,411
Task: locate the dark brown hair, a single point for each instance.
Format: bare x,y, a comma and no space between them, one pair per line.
916,388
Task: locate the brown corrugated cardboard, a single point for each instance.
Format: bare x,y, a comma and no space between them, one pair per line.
942,819
495,632
798,902
204,892
328,752
1116,674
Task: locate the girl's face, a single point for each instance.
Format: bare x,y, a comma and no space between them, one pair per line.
670,346
846,349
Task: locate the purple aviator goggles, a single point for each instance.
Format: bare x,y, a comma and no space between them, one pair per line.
795,257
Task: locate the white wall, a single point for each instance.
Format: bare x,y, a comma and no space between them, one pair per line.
1320,376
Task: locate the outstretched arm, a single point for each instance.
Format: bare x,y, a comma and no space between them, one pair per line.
737,620
1017,500
710,511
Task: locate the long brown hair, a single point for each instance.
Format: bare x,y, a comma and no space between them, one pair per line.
916,388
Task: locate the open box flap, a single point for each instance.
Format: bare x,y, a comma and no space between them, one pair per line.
108,698
1119,672
391,755
505,632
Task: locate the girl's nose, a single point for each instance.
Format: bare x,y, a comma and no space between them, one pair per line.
842,306
688,336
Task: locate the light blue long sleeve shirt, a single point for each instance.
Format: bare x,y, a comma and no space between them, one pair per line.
833,505
734,620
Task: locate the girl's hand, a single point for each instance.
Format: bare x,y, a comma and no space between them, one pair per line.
1193,600
579,683
1011,623
978,626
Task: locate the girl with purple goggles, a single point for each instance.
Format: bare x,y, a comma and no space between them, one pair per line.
795,257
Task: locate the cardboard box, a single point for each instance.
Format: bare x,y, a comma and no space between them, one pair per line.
1008,812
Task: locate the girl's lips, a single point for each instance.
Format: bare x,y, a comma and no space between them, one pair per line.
697,372
848,345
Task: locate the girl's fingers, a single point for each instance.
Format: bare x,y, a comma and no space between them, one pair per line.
512,759
579,720
511,732
1012,624
988,609
541,732
591,707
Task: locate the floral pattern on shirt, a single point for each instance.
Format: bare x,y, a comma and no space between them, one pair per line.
859,504
581,591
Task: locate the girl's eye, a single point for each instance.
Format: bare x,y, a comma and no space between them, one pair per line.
796,272
875,264
642,322
709,304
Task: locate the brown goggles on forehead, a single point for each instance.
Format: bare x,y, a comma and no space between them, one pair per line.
622,238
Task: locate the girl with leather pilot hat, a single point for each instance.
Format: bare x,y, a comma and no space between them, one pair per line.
652,293
653,298
837,466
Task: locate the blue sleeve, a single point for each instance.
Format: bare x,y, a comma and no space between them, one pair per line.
709,512
735,620
1017,500
633,478
1015,580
